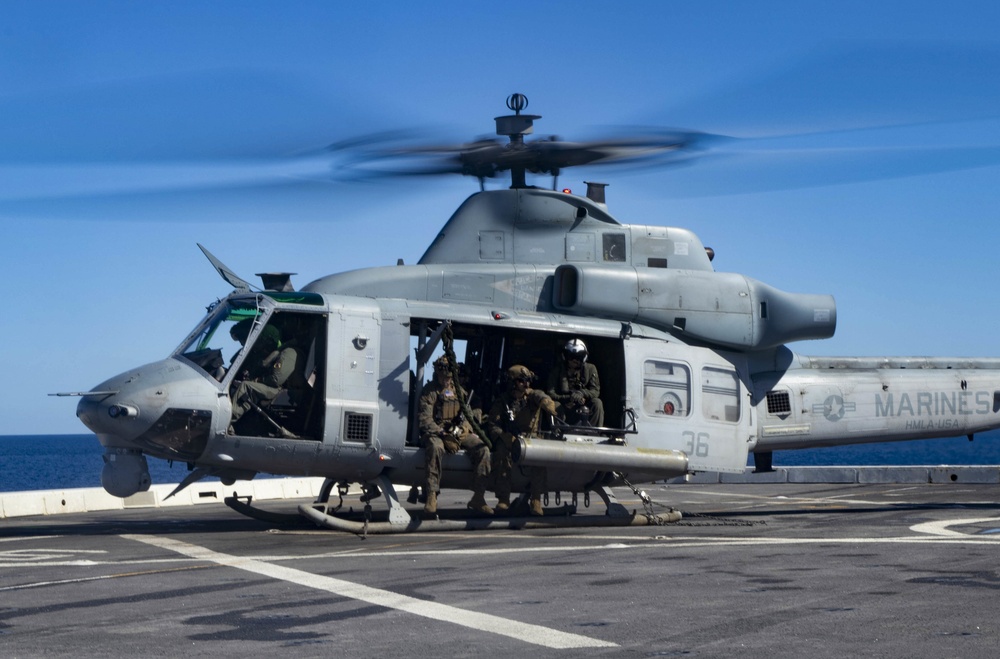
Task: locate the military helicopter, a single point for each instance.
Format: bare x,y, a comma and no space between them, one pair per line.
695,368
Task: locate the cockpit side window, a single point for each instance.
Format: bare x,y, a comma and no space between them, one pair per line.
279,380
223,333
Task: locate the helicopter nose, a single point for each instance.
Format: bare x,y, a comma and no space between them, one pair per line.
89,409
164,409
113,402
99,412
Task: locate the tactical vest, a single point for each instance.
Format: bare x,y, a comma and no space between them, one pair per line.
525,415
447,407
575,380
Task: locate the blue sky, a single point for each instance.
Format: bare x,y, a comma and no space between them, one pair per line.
120,120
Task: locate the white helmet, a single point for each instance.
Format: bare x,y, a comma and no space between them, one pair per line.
575,348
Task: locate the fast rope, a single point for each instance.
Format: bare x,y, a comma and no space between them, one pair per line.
448,339
687,519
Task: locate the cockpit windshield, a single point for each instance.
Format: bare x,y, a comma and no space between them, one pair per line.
223,332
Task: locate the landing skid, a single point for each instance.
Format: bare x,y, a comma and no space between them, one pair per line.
245,508
400,521
552,520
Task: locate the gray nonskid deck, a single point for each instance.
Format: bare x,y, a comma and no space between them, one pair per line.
777,570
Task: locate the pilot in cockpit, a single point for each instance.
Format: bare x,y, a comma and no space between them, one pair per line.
264,378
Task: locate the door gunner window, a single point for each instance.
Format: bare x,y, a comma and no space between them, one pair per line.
666,389
720,394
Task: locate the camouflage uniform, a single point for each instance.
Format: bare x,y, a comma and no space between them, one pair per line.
516,412
443,428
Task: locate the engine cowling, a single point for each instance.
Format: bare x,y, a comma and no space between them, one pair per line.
724,309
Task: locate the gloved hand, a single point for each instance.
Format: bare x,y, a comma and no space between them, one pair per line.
549,406
451,445
577,399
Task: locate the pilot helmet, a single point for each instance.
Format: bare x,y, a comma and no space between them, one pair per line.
518,373
575,349
241,330
270,338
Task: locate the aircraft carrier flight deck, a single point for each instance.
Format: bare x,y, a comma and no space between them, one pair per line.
777,570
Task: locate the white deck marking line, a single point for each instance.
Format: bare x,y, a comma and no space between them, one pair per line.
535,634
15,562
101,577
61,582
786,498
940,528
29,537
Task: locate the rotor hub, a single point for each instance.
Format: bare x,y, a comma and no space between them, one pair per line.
517,125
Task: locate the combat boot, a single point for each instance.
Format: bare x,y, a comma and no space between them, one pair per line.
432,502
535,507
478,504
503,503
414,494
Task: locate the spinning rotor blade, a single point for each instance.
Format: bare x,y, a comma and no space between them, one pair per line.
650,148
488,158
396,154
186,147
210,115
749,170
852,87
221,137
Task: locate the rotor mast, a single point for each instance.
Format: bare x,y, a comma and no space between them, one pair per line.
516,126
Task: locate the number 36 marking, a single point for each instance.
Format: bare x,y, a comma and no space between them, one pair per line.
697,444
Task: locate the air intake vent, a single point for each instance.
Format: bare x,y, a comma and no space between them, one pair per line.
357,427
778,402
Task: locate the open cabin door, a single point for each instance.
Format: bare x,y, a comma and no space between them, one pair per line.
688,399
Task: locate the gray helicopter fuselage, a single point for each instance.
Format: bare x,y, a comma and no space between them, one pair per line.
693,363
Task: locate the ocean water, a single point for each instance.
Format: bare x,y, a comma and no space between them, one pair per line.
50,462
983,450
55,462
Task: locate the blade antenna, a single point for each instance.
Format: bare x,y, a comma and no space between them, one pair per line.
231,277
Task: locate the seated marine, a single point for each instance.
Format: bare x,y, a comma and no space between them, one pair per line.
515,412
444,428
575,385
